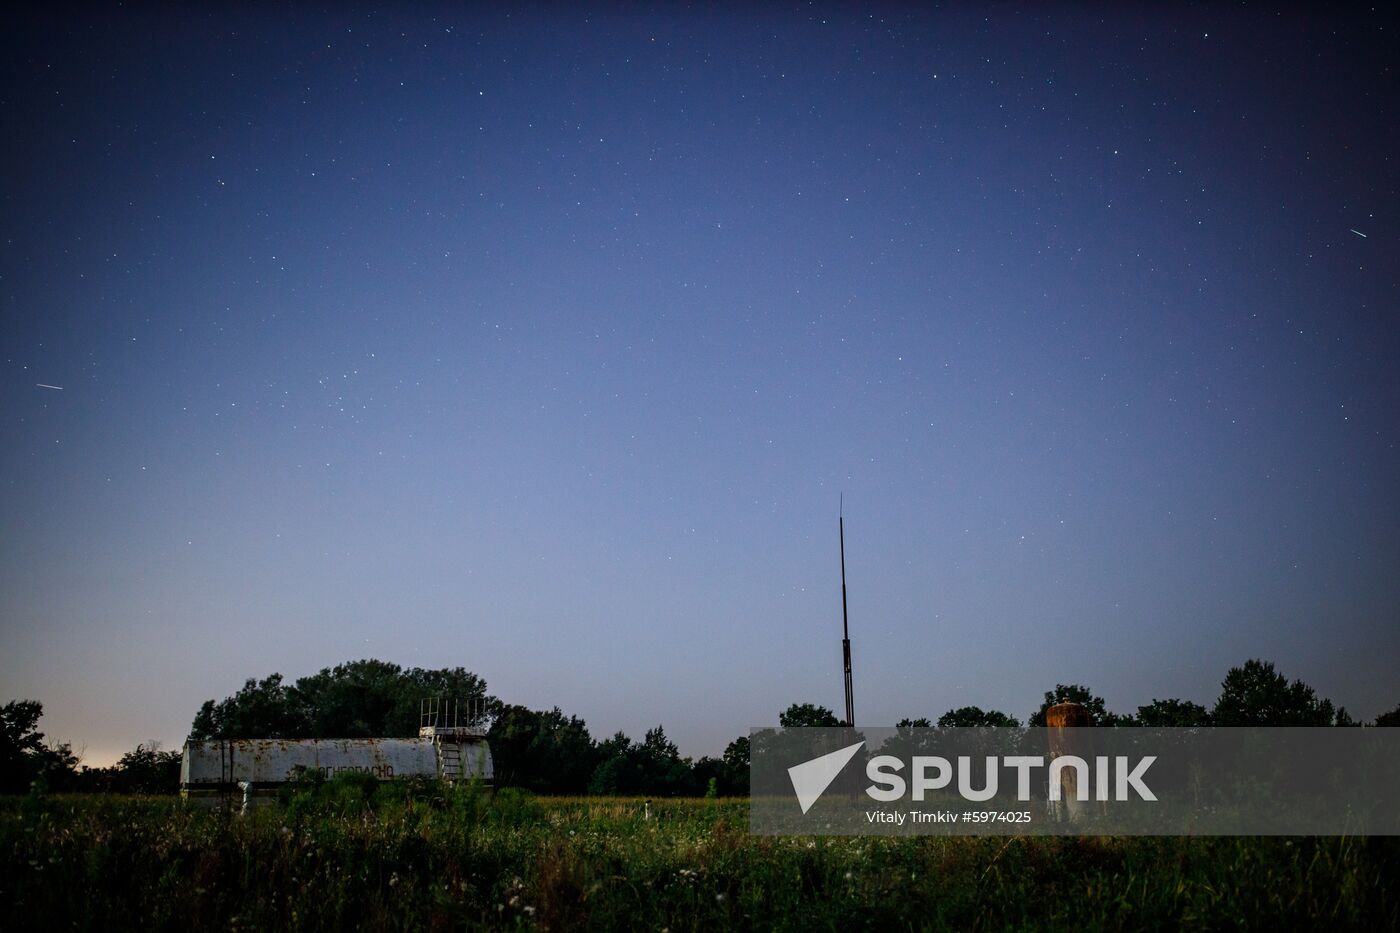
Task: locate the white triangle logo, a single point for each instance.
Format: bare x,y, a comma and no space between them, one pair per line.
811,778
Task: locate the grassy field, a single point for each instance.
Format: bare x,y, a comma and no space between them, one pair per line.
334,861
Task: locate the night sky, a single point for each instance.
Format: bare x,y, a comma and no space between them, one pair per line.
544,343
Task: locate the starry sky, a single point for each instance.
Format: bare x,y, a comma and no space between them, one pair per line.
545,343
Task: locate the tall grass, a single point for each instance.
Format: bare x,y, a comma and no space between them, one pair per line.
423,858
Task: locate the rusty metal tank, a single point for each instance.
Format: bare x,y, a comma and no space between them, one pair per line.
212,770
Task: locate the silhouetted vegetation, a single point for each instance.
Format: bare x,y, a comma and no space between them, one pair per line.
1173,713
25,758
799,715
359,699
975,716
144,770
546,752
551,752
1077,693
1257,695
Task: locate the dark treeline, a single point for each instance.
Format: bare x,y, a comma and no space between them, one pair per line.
550,752
27,762
361,699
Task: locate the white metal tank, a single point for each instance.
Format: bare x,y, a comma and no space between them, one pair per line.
211,770
451,746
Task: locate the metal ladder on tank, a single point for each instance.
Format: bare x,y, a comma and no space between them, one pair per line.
450,758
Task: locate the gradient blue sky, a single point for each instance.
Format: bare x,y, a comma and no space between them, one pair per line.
543,343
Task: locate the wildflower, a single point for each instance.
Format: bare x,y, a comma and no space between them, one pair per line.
848,876
719,898
529,911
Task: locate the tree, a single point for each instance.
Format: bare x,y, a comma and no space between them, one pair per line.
513,728
972,716
652,766
20,741
1178,713
57,766
370,698
148,770
612,775
1391,718
736,768
1078,693
708,774
262,709
666,772
807,714
24,757
563,753
1258,695
546,752
358,699
728,775
612,778
905,742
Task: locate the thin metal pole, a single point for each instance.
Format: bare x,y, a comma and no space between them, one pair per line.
845,619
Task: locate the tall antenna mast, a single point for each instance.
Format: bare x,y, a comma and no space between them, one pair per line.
845,621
